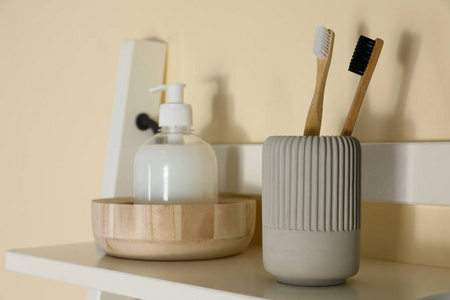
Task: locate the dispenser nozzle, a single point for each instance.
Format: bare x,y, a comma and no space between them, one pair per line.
174,112
174,91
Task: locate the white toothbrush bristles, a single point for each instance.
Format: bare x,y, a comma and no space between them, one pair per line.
321,42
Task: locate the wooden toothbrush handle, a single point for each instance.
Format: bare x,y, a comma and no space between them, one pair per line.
314,118
361,90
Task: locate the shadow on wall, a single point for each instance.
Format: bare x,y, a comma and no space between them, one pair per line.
223,127
388,128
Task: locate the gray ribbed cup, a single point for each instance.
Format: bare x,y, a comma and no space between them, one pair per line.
311,208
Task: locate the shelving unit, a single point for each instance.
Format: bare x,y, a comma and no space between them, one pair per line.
237,277
406,173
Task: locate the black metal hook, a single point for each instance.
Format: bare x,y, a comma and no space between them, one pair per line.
144,122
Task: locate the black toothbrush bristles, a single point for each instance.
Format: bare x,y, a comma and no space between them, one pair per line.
361,55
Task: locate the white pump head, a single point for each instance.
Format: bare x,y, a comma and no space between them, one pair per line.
174,112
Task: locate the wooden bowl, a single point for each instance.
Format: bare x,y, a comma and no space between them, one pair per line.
173,232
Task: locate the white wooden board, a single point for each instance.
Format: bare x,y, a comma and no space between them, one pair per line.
141,66
414,173
239,277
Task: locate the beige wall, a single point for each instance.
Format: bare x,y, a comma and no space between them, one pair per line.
250,73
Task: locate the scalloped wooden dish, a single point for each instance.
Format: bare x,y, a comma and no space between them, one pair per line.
173,232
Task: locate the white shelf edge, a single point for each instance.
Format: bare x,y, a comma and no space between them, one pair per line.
411,173
115,282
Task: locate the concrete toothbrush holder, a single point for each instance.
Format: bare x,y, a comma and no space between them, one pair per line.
311,198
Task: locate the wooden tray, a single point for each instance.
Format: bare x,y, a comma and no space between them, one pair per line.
173,232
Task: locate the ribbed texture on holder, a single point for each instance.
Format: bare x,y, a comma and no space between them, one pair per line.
311,183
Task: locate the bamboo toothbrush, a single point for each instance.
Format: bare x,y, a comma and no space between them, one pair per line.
323,49
364,61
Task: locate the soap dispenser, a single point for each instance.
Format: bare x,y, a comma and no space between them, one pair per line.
175,166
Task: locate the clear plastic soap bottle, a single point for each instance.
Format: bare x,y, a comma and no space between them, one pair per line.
175,166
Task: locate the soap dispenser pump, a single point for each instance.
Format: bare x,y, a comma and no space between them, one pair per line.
175,166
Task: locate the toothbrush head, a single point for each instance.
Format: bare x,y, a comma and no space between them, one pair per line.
361,55
321,42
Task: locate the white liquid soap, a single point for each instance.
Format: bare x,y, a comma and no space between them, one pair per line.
175,166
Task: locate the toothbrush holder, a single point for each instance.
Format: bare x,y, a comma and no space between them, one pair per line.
311,196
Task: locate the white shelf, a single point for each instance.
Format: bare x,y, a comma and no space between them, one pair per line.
238,277
411,173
